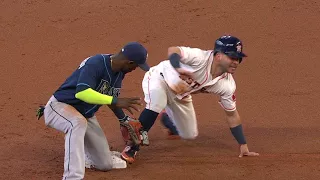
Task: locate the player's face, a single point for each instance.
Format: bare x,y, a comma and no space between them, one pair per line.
229,64
129,66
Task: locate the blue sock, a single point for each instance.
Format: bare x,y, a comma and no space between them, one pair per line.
167,122
147,119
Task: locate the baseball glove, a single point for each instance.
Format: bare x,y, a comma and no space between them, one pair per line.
40,112
131,131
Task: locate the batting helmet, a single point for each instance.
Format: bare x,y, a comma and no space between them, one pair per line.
231,46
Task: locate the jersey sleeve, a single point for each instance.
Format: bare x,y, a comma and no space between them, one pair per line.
192,56
228,102
91,71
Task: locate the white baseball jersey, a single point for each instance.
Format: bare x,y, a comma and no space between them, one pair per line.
199,63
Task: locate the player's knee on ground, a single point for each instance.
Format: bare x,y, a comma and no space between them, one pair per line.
107,166
189,136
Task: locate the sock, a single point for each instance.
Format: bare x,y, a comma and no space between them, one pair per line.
167,122
147,119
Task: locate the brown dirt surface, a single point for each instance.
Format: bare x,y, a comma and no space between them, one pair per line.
43,41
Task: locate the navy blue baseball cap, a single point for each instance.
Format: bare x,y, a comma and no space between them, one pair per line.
229,45
135,52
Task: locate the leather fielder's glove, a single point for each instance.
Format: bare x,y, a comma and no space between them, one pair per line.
131,131
40,112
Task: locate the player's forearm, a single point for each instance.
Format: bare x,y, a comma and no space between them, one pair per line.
118,112
93,97
233,119
235,125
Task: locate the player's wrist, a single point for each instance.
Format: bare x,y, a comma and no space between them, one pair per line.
114,100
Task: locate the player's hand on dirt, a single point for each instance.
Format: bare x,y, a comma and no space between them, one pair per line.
129,103
244,151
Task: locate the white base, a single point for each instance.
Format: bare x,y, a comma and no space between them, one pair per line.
117,162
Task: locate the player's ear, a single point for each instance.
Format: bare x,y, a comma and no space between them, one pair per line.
218,56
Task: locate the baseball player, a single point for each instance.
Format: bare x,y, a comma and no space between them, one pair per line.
169,86
72,107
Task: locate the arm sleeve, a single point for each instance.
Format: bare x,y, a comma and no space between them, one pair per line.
91,96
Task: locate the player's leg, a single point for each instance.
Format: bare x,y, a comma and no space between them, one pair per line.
155,96
96,146
183,117
171,129
68,120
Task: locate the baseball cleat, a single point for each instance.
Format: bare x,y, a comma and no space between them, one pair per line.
145,138
172,136
129,153
117,161
88,162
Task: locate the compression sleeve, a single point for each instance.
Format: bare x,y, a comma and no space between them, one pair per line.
91,96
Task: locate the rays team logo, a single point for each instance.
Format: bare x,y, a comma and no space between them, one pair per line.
239,47
105,88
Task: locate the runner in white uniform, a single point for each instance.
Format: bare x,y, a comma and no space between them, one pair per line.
169,86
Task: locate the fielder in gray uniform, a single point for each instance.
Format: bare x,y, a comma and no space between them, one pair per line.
72,107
